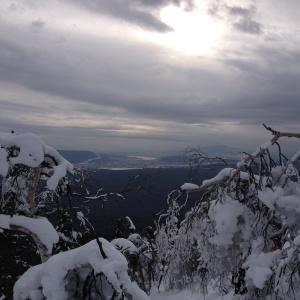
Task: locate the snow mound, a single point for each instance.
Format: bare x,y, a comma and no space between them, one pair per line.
48,280
225,216
189,187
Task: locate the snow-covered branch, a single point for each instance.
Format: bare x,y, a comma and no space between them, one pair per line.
244,229
228,174
29,150
48,280
40,230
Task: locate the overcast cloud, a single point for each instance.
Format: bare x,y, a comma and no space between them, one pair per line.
149,77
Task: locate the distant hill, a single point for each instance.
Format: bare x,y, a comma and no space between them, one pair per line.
112,160
175,159
221,150
75,157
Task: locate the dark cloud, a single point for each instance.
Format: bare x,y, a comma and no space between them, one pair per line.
272,85
249,26
185,95
144,13
123,92
38,24
244,21
185,4
214,9
240,17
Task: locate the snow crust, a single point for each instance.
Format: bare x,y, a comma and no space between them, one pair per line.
3,162
31,148
295,157
223,174
131,226
48,279
124,245
41,227
134,238
263,147
213,294
260,264
189,187
297,241
289,203
225,216
269,196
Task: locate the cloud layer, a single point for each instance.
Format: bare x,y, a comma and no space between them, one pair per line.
84,75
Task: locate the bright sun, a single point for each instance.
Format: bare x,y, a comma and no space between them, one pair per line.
194,32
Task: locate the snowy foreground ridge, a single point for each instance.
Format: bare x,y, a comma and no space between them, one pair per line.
48,279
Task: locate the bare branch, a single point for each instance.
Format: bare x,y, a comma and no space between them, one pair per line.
197,159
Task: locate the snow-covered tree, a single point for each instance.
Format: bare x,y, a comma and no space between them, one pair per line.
243,233
140,251
35,185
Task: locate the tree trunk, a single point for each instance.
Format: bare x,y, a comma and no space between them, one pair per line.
43,250
32,190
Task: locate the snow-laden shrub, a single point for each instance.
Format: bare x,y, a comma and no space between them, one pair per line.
243,233
98,264
35,187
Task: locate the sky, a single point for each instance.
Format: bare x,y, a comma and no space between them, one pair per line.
149,77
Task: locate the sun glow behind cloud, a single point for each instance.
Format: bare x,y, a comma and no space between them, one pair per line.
195,32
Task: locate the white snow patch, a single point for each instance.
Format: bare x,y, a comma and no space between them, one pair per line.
32,151
261,275
50,276
58,173
260,265
225,216
295,157
3,162
269,196
213,294
263,147
131,226
124,245
297,241
289,203
223,174
189,187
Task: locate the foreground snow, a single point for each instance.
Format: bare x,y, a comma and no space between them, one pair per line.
188,295
49,279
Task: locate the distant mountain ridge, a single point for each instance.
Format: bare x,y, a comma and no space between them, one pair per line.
75,156
221,149
91,159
